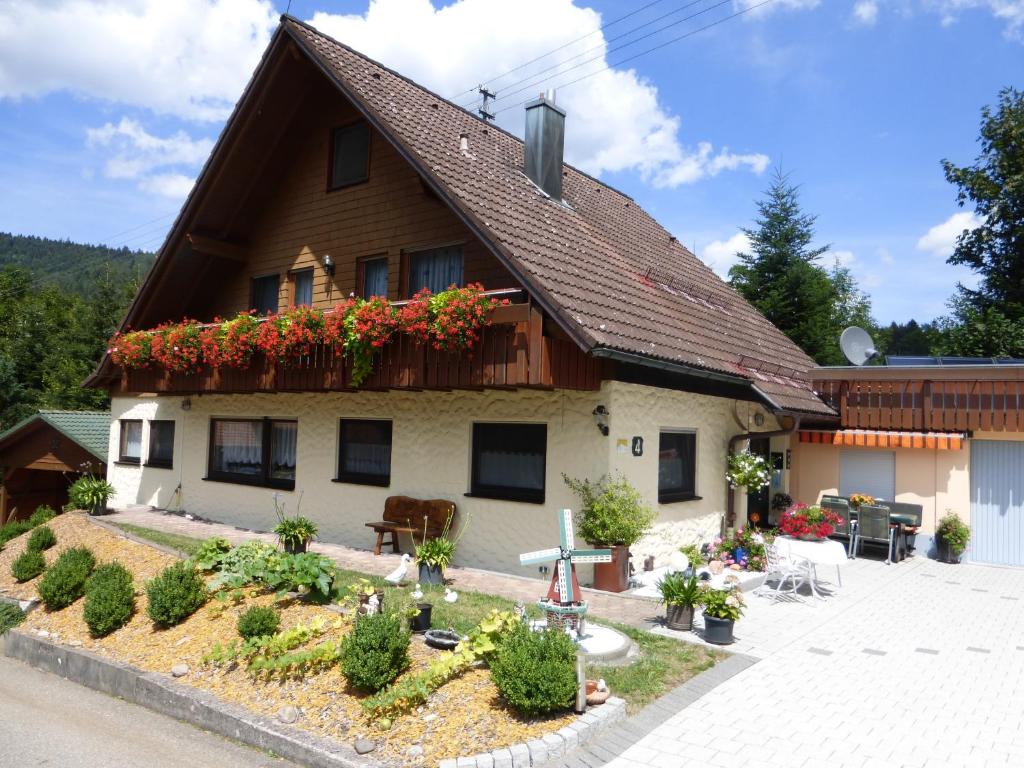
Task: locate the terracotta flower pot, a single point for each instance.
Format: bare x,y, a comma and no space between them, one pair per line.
613,576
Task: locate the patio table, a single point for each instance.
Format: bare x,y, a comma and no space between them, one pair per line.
823,552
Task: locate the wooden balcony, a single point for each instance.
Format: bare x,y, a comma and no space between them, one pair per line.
513,352
946,400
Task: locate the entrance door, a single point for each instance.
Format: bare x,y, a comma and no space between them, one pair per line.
757,502
997,502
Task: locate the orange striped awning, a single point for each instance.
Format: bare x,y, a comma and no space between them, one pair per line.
871,438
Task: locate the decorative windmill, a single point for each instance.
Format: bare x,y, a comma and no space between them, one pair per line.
563,605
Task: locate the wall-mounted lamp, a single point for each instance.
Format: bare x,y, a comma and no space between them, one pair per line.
601,416
186,404
759,419
329,265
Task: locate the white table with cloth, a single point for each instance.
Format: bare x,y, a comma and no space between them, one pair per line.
818,552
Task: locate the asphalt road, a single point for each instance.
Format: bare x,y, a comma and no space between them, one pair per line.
46,720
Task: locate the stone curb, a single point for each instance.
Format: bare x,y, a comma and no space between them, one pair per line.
118,531
551,746
191,705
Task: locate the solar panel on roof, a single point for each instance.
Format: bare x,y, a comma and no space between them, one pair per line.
906,361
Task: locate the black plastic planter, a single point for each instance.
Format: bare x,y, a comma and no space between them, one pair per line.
421,623
431,574
293,547
945,552
718,631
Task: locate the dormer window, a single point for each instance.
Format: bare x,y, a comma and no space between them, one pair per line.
436,269
350,155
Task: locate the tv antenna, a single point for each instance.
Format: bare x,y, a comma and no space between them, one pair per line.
857,345
485,113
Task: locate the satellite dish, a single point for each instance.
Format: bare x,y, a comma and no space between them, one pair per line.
857,345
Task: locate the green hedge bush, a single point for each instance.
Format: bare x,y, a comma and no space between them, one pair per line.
259,621
13,530
28,565
109,599
10,617
175,594
375,652
42,538
43,514
536,671
64,581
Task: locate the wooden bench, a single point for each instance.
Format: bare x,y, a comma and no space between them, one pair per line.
404,514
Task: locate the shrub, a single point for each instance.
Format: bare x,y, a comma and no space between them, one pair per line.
89,493
210,553
28,565
64,581
375,652
43,514
10,617
259,621
109,599
954,532
242,565
611,511
536,671
42,538
175,594
13,530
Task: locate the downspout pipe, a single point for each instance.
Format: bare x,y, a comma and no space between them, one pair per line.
730,514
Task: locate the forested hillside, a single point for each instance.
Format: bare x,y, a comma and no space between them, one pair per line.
73,267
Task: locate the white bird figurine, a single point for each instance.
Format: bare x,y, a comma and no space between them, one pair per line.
449,596
602,685
372,605
396,576
417,594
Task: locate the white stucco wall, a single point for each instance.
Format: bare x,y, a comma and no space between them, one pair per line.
431,459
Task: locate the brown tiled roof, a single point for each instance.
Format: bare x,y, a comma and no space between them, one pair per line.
618,279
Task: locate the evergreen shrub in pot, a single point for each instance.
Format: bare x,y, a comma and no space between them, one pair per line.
680,594
612,515
951,537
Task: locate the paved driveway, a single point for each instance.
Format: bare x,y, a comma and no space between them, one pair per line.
915,664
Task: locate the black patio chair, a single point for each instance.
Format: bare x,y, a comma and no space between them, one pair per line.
875,525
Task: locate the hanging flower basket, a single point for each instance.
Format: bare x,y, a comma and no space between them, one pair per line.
748,470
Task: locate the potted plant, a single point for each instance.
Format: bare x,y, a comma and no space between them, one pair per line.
435,555
680,594
748,470
857,500
744,550
951,537
722,608
694,557
809,523
612,516
91,494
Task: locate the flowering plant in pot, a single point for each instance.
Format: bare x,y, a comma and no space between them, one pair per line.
178,347
811,523
952,536
722,609
744,550
612,515
435,555
680,594
90,493
748,470
294,533
361,327
232,342
857,500
132,349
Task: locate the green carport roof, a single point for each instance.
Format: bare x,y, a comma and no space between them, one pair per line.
90,429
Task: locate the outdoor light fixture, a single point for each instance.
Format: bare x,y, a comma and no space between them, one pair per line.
601,415
759,419
329,265
186,404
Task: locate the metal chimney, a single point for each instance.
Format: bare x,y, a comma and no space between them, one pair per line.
545,141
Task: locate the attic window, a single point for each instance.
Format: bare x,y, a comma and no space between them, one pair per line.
350,155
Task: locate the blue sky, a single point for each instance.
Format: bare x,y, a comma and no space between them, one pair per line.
107,109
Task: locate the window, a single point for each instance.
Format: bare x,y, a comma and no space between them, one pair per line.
302,288
161,444
677,467
130,451
866,471
264,294
350,155
436,269
364,451
509,461
253,451
373,277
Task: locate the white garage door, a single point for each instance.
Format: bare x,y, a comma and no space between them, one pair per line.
870,472
997,502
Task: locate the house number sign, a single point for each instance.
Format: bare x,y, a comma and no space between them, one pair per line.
638,446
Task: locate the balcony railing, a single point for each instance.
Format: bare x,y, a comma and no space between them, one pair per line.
512,352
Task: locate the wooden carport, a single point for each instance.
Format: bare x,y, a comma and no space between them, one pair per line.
41,456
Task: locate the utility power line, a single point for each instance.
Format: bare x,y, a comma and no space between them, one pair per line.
620,62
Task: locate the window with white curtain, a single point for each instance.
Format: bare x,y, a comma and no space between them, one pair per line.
509,461
364,451
130,451
253,451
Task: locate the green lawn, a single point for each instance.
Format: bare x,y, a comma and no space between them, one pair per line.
185,544
663,663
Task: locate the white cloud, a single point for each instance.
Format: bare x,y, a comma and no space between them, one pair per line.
843,258
884,256
1009,11
865,12
138,153
720,255
760,8
615,121
188,58
941,239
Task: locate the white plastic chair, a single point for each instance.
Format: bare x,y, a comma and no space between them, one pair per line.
784,567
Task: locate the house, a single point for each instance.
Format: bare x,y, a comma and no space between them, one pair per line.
619,352
42,455
945,433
